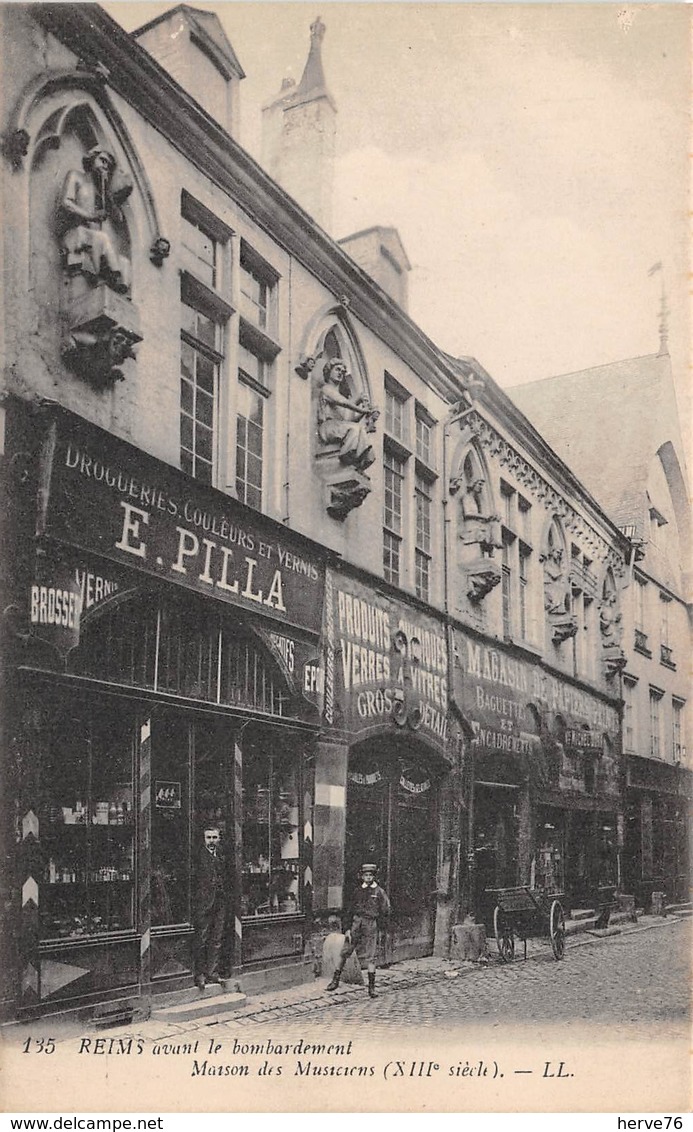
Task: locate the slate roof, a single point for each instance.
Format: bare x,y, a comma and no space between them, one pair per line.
606,423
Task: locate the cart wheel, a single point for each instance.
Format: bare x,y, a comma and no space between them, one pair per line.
505,940
557,928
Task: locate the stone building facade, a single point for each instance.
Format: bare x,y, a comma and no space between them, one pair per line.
632,458
277,562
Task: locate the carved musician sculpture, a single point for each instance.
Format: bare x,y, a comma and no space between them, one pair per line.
90,217
344,421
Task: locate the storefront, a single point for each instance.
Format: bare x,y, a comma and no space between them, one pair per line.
388,747
163,679
547,790
657,846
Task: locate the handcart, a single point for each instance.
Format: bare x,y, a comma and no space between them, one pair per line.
525,912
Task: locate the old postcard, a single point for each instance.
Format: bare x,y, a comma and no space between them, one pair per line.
346,529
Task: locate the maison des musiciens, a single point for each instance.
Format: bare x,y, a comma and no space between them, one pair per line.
273,560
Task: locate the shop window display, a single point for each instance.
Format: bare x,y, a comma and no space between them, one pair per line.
271,828
87,824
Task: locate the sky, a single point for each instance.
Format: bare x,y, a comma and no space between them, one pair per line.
534,158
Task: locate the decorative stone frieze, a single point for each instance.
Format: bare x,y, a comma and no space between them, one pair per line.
544,493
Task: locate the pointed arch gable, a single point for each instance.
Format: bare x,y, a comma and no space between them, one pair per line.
334,318
553,535
468,464
45,107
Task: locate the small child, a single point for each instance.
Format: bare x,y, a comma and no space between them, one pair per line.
369,911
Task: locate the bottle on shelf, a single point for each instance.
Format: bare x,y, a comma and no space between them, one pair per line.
112,813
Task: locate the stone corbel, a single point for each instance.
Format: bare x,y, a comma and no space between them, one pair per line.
614,660
482,576
563,627
101,328
344,492
15,146
160,250
306,366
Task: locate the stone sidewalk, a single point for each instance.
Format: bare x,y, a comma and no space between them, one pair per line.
307,997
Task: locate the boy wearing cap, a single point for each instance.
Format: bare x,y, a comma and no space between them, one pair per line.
370,908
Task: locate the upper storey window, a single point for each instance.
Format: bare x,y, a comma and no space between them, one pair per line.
202,249
200,361
204,240
396,411
258,290
204,315
425,448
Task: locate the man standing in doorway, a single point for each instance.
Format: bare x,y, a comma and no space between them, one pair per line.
368,914
210,908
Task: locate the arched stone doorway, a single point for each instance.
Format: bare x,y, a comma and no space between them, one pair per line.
392,792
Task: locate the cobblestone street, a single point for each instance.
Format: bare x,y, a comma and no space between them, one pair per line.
632,981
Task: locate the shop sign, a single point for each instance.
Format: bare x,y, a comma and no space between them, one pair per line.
414,787
299,663
495,689
62,596
360,779
107,497
167,795
584,739
385,663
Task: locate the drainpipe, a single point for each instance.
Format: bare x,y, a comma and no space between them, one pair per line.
290,354
455,417
621,824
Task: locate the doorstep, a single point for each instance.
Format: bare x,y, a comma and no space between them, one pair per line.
684,909
197,1005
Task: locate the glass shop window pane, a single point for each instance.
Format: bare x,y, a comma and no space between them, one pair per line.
271,835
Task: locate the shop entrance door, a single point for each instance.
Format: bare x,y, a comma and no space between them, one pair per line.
580,873
495,846
391,821
192,760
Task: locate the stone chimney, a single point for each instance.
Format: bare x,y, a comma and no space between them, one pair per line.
192,46
379,251
298,142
